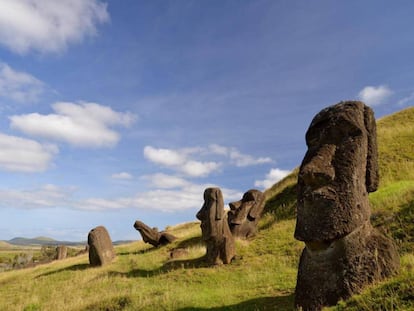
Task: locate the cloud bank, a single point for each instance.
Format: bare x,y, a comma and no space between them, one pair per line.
83,124
48,25
25,155
274,175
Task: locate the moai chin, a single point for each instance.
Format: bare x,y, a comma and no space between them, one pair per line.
152,235
343,252
101,250
215,229
244,214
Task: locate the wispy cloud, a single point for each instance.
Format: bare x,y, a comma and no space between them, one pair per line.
48,26
237,158
179,160
25,155
274,175
19,86
122,176
375,95
82,124
406,100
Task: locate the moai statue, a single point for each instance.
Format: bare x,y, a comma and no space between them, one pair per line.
215,229
61,252
245,214
343,252
152,236
101,250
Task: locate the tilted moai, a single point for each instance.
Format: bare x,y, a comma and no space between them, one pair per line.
245,214
215,229
152,236
343,252
101,250
61,252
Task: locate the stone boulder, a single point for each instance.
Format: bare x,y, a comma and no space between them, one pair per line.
61,252
101,250
343,253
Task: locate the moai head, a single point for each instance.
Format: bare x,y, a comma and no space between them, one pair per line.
101,250
211,214
149,235
245,213
337,172
252,201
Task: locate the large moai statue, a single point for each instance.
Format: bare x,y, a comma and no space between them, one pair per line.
245,214
152,236
343,252
215,229
101,250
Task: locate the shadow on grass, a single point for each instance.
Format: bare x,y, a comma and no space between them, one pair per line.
140,252
280,303
78,267
167,267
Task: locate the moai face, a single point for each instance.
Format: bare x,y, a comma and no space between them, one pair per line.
337,172
211,213
249,208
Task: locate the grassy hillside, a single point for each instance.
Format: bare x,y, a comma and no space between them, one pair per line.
262,277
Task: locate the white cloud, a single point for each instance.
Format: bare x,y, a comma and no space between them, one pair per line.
179,161
48,25
271,178
166,157
25,155
375,95
46,196
165,181
19,86
237,158
166,200
83,124
122,175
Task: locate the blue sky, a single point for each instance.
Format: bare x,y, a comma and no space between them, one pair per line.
113,111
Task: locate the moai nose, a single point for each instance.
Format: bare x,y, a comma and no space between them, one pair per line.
319,170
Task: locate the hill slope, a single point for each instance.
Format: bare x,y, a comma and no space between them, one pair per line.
263,276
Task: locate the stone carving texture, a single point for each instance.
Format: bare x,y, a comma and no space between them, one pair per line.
215,229
343,252
101,250
245,214
152,236
61,252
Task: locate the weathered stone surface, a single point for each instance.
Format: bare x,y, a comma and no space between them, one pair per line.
61,252
343,251
101,250
152,235
245,214
215,229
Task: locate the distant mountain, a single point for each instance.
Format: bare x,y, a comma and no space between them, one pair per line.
45,241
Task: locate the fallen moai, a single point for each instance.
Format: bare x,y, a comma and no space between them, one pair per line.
101,250
152,235
245,214
215,229
343,252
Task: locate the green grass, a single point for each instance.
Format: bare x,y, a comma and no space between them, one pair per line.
262,277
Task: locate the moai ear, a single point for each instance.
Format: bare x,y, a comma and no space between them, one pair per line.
372,175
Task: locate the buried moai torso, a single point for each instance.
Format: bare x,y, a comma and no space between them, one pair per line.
101,250
245,214
343,251
215,229
152,235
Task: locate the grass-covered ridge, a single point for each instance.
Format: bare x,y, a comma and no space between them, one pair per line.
262,277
